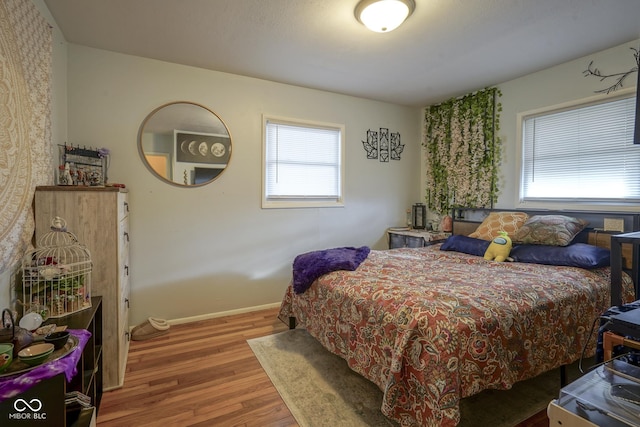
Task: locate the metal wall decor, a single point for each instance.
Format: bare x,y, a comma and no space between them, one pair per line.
383,145
396,146
371,144
619,77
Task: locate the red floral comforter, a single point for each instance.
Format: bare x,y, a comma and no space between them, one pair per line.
430,327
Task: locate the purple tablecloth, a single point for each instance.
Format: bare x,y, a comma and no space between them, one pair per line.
15,384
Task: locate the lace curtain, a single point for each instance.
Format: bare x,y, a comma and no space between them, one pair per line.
25,129
462,151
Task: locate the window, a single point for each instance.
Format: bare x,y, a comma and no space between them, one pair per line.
582,153
303,163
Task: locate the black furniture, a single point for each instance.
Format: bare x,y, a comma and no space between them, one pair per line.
617,241
44,404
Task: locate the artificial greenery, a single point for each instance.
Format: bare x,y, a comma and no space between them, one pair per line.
463,151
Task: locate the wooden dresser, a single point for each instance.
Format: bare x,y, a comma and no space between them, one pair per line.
99,217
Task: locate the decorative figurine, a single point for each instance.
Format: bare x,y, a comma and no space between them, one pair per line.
65,177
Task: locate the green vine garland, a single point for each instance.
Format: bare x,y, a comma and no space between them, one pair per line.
463,151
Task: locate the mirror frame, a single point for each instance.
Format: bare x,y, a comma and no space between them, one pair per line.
168,160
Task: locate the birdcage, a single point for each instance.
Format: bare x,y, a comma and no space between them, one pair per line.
56,276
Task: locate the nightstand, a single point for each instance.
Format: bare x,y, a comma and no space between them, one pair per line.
411,238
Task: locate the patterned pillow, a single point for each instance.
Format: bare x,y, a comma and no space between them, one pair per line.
496,222
550,230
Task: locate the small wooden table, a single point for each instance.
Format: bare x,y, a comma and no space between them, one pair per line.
412,238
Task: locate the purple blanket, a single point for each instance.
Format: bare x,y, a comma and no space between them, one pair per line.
311,265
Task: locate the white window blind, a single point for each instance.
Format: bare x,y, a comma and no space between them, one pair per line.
303,163
584,153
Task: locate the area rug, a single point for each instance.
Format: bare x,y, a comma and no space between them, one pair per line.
320,390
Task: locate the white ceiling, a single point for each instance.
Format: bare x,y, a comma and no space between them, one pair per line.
446,48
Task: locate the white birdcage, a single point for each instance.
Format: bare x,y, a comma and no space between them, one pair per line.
56,276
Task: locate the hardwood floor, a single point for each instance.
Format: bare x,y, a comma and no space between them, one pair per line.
205,374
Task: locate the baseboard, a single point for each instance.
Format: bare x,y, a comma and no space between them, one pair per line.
222,314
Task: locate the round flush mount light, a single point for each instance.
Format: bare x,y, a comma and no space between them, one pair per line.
383,16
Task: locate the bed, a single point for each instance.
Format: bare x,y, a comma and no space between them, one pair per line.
430,326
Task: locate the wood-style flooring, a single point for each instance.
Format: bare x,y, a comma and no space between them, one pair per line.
205,374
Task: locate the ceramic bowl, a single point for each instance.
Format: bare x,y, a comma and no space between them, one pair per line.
35,354
58,339
31,321
6,356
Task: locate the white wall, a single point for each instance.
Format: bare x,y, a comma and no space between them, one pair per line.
551,87
213,249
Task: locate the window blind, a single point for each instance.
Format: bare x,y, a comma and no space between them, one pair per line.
302,162
584,153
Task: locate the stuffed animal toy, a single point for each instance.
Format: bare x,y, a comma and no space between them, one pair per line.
499,248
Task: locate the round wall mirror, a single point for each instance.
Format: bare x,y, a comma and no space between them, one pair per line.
184,143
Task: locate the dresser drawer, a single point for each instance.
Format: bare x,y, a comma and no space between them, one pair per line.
123,206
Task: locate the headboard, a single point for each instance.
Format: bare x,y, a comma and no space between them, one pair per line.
466,220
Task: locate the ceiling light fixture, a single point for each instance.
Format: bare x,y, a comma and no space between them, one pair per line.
383,16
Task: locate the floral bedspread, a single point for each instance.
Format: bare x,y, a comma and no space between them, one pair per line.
430,327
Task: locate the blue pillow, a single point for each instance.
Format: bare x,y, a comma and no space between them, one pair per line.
576,255
466,245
